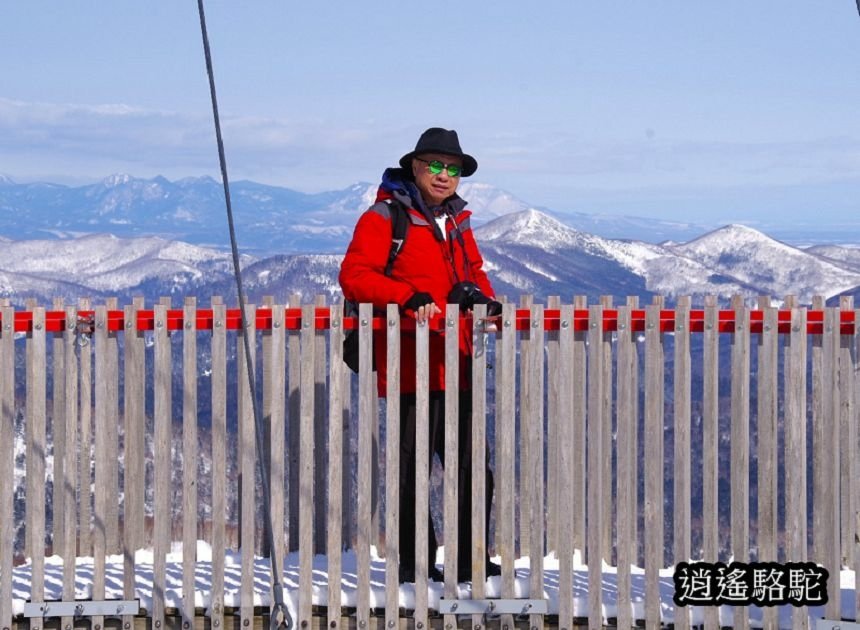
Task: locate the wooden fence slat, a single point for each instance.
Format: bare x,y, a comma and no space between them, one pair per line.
266,349
163,422
505,393
524,498
36,455
625,514
36,419
58,432
553,421
320,436
190,496
595,467
274,375
70,466
247,466
633,303
566,447
578,494
479,458
829,503
134,397
29,447
710,446
219,460
819,435
654,449
348,428
534,423
847,431
608,437
7,460
422,466
306,467
855,440
767,437
795,448
366,417
768,526
265,397
452,445
294,377
338,383
85,542
111,463
682,426
101,454
740,448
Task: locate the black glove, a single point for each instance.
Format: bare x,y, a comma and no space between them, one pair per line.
417,300
467,294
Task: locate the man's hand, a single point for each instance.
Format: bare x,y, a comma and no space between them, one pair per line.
422,306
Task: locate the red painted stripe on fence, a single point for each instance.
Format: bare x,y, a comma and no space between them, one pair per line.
55,321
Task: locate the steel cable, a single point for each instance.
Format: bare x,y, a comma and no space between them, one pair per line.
280,615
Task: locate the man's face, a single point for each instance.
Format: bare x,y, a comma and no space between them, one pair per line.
435,188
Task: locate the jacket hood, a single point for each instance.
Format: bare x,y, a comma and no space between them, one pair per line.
396,183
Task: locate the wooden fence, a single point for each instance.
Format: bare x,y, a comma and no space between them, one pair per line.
585,405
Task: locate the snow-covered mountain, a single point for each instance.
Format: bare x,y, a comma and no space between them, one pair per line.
842,255
525,252
629,227
103,264
534,251
269,219
771,266
307,275
125,236
488,202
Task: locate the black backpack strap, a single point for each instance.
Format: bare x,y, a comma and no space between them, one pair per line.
456,231
399,226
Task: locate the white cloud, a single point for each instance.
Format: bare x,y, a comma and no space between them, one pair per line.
316,152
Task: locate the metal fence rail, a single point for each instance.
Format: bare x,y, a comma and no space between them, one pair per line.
585,405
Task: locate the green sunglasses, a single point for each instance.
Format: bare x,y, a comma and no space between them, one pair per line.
435,167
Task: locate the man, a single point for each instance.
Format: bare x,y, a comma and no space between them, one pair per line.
438,263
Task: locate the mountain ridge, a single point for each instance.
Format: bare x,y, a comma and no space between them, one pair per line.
133,236
524,252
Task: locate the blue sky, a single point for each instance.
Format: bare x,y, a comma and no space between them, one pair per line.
710,112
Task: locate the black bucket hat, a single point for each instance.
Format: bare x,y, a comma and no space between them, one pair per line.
438,140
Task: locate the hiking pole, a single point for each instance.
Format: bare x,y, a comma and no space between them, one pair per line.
280,615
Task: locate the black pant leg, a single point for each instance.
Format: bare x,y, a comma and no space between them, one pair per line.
407,477
464,477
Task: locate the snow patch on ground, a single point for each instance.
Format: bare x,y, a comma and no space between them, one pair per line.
144,562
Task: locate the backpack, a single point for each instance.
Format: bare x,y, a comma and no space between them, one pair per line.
399,225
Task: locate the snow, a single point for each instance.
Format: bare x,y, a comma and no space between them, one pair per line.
772,266
532,227
144,562
105,262
488,202
116,179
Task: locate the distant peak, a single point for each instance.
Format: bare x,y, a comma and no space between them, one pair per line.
534,217
203,179
117,179
740,228
735,232
5,180
530,226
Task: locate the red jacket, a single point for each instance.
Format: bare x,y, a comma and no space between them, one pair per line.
424,264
